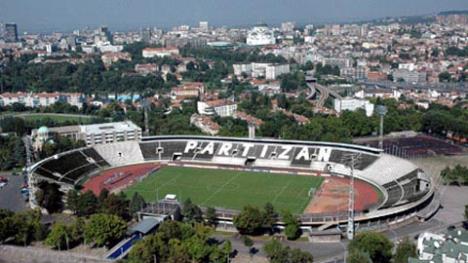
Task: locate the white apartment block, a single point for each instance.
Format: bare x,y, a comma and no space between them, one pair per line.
222,108
353,104
43,99
159,52
269,71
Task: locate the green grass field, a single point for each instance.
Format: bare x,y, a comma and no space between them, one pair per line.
227,188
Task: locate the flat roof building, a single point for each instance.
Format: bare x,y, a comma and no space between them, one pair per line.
92,134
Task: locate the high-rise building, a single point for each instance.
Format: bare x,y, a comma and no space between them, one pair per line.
9,32
203,25
287,26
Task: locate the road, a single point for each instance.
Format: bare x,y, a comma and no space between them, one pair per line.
460,86
10,195
324,93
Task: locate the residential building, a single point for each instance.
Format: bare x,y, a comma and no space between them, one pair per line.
205,124
146,69
188,90
269,71
43,99
409,76
259,36
92,134
220,107
160,52
353,104
450,247
111,57
9,32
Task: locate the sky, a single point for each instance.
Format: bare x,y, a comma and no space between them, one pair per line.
65,15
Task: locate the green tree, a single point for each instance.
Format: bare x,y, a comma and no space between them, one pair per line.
404,251
270,217
58,237
358,256
191,212
136,204
87,204
466,212
277,253
377,245
292,229
103,229
49,196
249,220
116,205
210,216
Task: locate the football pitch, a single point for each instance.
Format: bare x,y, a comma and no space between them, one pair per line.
228,188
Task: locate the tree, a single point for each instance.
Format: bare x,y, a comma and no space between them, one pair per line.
87,204
191,212
377,245
210,216
58,237
249,220
466,212
445,76
270,217
277,253
136,204
116,205
49,196
103,229
292,229
358,256
179,242
404,251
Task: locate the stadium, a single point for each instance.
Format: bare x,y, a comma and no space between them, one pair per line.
310,179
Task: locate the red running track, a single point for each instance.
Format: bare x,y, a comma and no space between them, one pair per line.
119,177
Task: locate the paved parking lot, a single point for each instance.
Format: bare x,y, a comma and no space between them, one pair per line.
10,195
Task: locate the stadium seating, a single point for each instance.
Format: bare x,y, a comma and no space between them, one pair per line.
149,150
64,163
394,194
121,153
91,153
205,156
171,147
77,173
384,170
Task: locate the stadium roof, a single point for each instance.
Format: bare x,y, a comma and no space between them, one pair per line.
109,127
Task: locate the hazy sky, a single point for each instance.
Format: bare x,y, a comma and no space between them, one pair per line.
46,15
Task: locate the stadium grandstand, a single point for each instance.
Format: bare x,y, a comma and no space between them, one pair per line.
404,188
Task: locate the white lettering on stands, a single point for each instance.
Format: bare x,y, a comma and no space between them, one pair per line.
247,147
284,155
191,145
264,151
209,148
324,154
303,154
224,149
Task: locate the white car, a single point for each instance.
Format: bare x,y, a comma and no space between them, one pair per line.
2,184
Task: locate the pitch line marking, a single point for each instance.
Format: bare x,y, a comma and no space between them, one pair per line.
281,191
220,188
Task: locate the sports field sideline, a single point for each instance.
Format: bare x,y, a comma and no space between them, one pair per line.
228,188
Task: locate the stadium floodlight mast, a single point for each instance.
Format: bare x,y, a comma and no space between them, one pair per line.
351,159
381,111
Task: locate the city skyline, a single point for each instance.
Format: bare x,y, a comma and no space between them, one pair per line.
54,15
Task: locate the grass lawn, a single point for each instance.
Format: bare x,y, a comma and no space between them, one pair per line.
227,188
58,118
